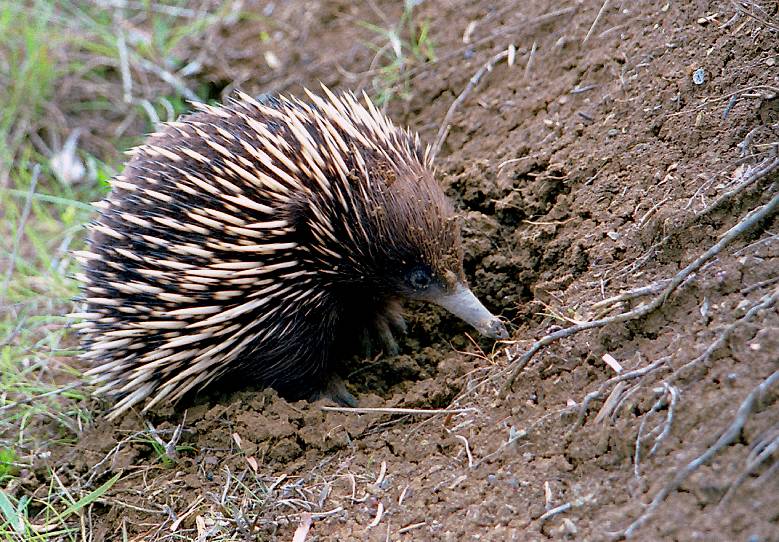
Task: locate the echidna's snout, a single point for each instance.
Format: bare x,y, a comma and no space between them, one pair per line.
466,306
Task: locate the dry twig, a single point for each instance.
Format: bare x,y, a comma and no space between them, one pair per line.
443,131
387,410
555,511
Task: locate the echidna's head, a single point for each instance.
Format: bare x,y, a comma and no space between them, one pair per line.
421,255
390,232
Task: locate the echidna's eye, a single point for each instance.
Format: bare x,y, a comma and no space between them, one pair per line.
419,279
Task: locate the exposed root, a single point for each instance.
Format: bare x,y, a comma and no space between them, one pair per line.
661,403
746,178
762,451
766,302
402,411
630,375
743,226
607,305
725,439
751,10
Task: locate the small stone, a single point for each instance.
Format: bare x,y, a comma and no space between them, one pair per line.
568,527
272,60
743,305
699,76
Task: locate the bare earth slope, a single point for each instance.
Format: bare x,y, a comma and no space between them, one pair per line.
584,170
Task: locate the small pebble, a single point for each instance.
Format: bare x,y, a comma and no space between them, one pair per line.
568,527
699,76
743,305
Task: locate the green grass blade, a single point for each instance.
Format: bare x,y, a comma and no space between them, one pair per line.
89,498
10,513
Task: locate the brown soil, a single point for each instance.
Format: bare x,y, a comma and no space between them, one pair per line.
579,173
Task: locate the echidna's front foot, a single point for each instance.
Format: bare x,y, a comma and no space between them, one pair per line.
335,390
386,338
382,334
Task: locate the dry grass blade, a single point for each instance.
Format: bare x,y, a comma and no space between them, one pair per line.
19,232
602,9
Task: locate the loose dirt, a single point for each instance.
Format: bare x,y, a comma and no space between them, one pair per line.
579,170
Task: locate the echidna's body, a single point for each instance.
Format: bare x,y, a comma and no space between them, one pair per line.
252,239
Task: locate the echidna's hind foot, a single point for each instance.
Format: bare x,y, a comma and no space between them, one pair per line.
335,391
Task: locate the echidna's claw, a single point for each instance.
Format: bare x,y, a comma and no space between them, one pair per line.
335,391
387,339
397,322
365,344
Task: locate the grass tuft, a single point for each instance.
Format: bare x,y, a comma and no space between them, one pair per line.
402,46
82,81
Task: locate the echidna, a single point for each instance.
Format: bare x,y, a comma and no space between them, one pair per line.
251,240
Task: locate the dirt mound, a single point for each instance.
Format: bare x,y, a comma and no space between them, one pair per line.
610,155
